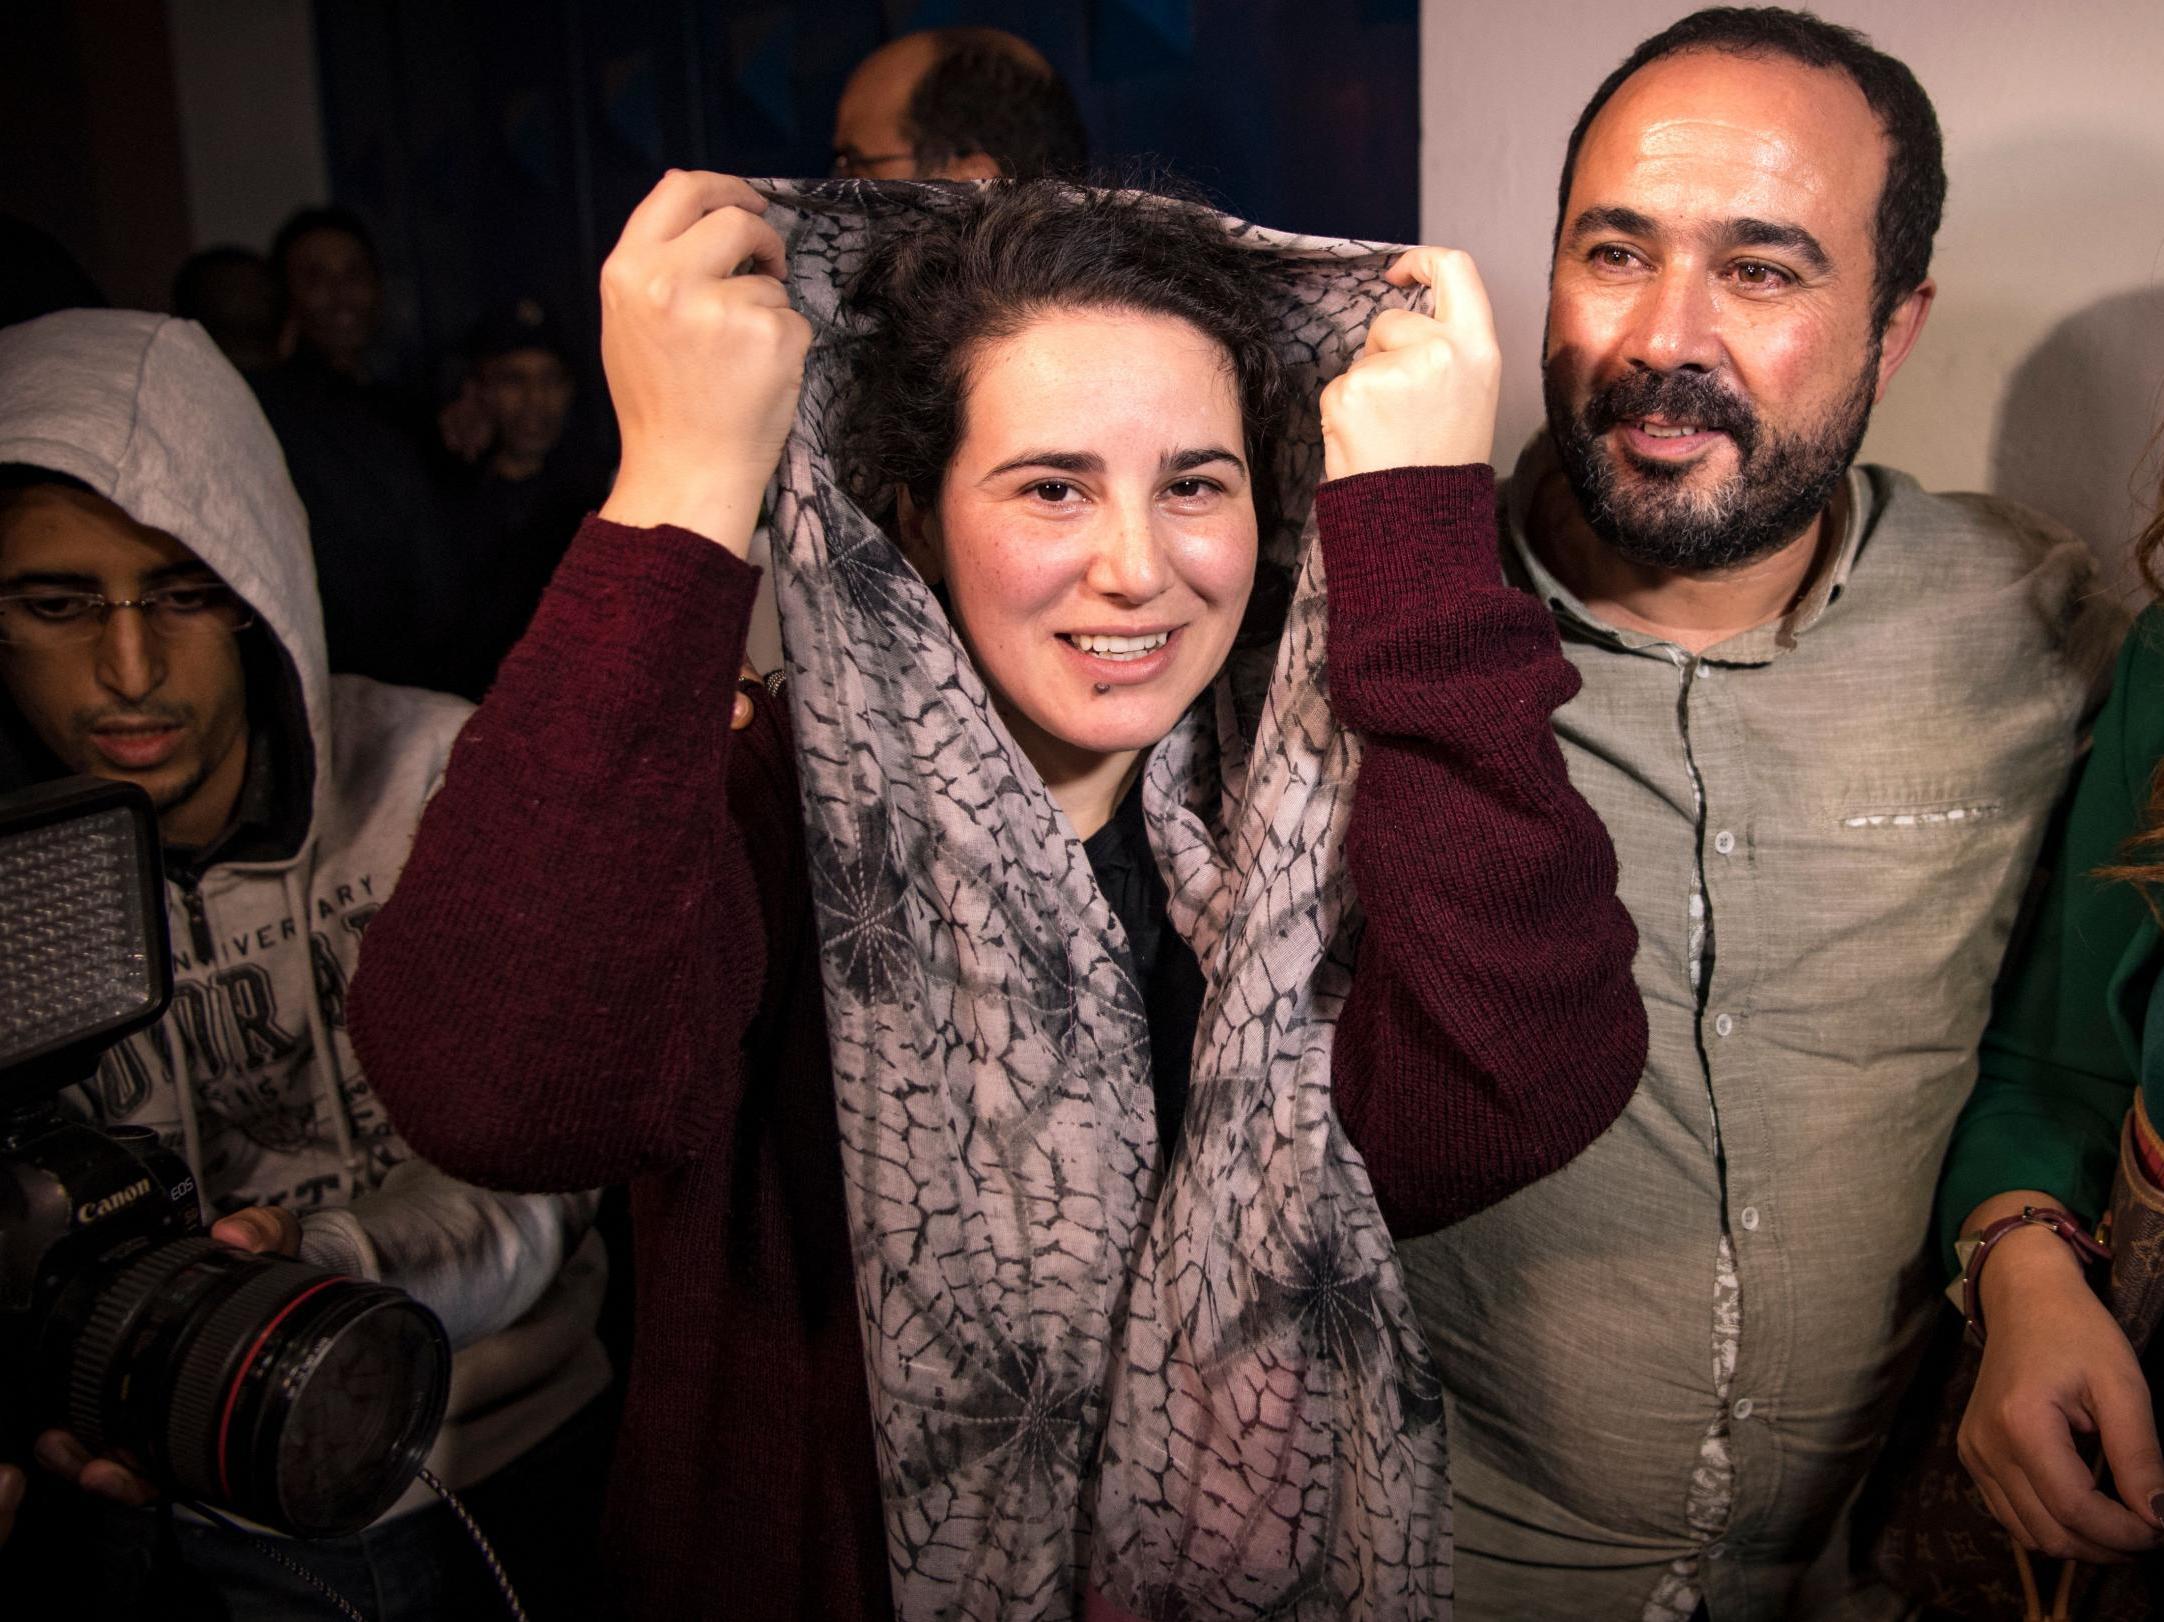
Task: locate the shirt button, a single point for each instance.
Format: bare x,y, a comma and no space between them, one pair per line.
1724,841
1750,1218
1723,1025
1742,1407
1714,1551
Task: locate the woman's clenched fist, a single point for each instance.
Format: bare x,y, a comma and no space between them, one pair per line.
1422,392
704,357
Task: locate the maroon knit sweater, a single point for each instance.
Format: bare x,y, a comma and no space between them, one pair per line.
599,967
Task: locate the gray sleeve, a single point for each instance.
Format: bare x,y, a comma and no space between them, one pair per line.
476,1258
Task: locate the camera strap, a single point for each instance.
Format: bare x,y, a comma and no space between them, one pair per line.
480,1542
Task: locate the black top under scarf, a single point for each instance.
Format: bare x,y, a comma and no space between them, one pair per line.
1162,963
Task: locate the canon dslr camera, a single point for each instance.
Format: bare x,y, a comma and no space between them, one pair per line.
300,1399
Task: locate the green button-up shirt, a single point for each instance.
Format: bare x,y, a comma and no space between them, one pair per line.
1825,826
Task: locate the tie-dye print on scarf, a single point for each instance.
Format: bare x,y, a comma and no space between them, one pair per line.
1202,1391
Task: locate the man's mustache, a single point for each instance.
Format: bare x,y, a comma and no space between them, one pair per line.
1692,397
134,715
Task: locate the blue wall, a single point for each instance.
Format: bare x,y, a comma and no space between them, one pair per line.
497,145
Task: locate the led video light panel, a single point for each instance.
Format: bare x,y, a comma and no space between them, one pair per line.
72,955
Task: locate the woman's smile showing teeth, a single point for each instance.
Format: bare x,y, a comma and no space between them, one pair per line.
1117,647
1123,660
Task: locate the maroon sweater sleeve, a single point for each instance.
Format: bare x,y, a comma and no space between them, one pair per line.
557,992
1494,1029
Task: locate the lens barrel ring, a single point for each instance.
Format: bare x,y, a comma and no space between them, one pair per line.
302,1399
209,1374
115,1313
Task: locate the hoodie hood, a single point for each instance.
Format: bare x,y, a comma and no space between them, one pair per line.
145,411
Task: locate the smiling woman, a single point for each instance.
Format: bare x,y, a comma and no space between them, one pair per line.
1098,586
1059,406
889,1008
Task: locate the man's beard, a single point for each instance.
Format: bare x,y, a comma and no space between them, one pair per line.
1646,512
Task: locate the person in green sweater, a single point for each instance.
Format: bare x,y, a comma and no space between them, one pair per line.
2074,1053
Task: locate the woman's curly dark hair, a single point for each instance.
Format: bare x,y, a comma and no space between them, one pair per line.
930,297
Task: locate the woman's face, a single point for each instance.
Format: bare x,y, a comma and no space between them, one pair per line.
1096,526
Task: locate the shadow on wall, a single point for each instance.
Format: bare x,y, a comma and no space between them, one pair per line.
2076,434
2041,374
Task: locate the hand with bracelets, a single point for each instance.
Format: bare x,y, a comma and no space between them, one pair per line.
2055,1369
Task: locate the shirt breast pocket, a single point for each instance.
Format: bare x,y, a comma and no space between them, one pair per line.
1908,818
1902,902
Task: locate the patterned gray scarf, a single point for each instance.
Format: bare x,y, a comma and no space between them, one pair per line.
1200,1388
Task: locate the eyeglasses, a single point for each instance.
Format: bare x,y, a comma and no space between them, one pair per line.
850,164
64,619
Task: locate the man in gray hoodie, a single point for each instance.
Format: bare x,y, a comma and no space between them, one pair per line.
159,625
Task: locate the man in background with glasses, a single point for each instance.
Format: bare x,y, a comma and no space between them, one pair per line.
159,625
957,104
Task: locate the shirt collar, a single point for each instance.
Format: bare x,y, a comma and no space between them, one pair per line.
1848,514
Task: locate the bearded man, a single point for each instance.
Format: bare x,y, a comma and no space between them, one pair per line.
1825,716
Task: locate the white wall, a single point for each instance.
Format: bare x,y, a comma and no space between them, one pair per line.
244,75
2041,372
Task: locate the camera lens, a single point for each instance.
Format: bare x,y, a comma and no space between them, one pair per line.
301,1399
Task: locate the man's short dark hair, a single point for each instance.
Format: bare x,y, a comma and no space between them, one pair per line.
981,95
329,217
1914,195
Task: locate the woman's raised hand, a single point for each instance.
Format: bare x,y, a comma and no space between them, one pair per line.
2055,1368
704,357
1422,392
